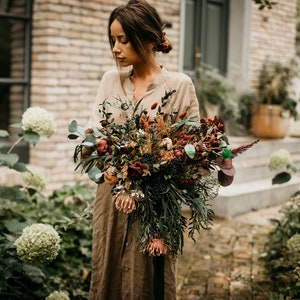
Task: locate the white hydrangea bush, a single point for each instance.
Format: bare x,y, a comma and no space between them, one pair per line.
58,295
34,178
279,160
39,243
39,120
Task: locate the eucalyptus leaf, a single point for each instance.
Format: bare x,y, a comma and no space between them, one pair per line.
190,150
90,138
73,126
73,136
88,144
95,175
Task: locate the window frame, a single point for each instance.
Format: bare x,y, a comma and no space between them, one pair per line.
21,149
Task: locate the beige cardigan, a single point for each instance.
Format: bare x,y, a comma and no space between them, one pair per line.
119,271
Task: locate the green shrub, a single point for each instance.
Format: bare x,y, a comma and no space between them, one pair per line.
67,209
283,251
63,209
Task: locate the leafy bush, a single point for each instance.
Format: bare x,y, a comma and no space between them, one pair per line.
283,254
67,209
283,245
71,269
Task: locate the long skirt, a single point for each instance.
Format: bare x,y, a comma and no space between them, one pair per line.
119,270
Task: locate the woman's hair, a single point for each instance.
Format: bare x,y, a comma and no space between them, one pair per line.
142,25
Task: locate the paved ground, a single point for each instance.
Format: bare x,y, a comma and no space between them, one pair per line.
226,263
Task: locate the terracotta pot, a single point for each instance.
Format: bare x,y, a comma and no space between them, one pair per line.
270,121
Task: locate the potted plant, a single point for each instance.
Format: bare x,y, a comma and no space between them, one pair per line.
271,115
215,94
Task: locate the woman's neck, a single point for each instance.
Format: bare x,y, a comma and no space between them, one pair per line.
141,78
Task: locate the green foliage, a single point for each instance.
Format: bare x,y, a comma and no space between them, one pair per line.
282,260
63,209
68,209
212,88
275,82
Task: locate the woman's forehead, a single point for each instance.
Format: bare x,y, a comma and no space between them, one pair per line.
116,28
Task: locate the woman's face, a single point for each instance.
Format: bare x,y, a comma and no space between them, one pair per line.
122,49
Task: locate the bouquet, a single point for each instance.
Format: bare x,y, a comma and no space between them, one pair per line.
157,163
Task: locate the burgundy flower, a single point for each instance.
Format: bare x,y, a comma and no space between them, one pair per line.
137,169
226,165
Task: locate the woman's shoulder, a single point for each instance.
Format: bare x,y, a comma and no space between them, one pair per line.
110,74
177,77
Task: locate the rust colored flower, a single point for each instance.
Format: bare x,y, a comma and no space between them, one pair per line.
110,176
167,156
157,247
124,201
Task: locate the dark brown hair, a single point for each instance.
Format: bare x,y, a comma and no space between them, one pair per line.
142,25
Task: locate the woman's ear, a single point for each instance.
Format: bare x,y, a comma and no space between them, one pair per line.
150,46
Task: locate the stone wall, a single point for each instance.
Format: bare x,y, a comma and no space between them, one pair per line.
70,51
273,35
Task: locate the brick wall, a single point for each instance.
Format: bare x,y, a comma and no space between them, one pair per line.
70,51
272,35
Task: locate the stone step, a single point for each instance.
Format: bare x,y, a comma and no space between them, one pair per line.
253,195
253,163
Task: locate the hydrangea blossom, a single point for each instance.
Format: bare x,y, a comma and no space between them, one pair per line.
39,243
58,295
279,159
39,120
293,244
34,178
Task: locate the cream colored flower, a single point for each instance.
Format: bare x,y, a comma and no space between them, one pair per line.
157,247
34,179
58,295
279,159
39,120
293,244
124,201
39,243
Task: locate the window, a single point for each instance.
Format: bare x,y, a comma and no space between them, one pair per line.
15,46
206,34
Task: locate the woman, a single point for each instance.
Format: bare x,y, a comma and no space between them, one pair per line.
119,270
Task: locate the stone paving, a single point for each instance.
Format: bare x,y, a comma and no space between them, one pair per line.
226,263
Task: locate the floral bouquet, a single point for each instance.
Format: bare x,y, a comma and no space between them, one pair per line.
157,163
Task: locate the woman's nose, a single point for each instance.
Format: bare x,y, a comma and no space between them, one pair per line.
116,48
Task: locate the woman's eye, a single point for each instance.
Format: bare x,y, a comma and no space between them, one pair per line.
124,41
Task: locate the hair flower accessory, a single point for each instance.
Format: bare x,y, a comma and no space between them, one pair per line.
157,162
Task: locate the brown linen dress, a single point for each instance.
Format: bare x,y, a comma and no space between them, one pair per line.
119,270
